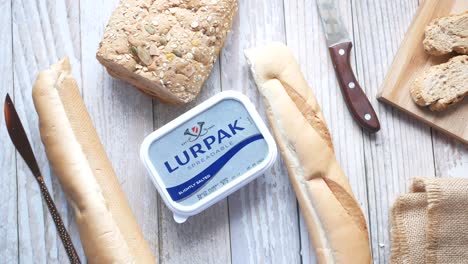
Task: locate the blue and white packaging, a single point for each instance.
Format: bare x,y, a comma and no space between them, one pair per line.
208,153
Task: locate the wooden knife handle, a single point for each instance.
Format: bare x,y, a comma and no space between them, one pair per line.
355,98
64,236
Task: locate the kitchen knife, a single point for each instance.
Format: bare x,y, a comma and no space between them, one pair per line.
21,142
339,45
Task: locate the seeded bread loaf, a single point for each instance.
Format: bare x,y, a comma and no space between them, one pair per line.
447,34
166,48
442,85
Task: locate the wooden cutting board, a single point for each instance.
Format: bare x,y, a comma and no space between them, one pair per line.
411,60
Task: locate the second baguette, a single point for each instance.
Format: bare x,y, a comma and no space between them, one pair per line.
334,219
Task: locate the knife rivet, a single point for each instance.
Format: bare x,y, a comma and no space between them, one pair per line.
351,85
341,52
367,117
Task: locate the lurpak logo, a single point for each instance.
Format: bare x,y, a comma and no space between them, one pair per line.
196,131
207,144
212,150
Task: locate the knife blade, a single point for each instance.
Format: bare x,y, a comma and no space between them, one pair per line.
19,138
339,45
20,141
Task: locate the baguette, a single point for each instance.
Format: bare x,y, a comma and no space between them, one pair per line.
334,219
108,230
443,85
447,34
166,49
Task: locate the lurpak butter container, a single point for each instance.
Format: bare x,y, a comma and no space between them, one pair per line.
208,153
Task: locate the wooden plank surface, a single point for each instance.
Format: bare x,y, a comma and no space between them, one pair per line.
263,215
39,38
205,237
122,116
260,223
403,148
8,190
60,18
306,38
412,60
450,156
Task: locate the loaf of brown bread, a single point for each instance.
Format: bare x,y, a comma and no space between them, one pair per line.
166,48
335,221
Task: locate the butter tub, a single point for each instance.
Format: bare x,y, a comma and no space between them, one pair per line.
208,153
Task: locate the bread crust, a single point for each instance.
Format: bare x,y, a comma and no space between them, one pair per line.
152,89
442,86
447,34
334,219
108,230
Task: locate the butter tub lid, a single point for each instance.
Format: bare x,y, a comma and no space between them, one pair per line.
207,153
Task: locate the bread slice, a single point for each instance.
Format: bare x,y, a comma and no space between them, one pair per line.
447,34
442,85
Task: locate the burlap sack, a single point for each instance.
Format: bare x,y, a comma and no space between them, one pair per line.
430,224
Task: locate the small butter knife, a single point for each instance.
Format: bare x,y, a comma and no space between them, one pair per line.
339,45
21,142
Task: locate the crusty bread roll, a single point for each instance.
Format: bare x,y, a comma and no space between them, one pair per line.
334,219
108,230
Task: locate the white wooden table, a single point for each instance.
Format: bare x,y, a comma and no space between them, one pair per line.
260,223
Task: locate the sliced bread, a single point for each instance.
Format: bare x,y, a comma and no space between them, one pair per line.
447,34
442,85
